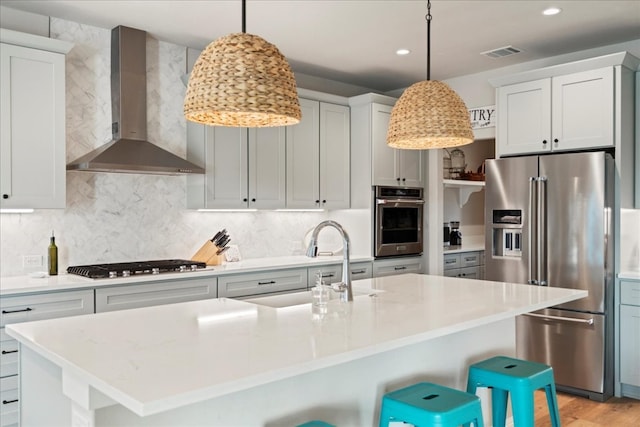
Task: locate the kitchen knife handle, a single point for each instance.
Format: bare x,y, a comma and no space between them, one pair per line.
17,311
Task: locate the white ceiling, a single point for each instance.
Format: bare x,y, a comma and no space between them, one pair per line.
354,41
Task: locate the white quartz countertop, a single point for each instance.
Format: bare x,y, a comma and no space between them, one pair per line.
635,275
18,285
469,244
160,358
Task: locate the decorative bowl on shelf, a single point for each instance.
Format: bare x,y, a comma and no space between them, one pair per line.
472,176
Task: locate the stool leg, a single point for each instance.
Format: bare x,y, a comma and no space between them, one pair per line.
471,388
552,403
522,404
499,407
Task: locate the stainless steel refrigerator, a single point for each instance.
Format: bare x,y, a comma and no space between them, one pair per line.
549,222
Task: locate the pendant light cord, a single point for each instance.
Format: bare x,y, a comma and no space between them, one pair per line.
428,18
244,16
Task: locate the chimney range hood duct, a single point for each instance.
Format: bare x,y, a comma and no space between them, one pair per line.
129,151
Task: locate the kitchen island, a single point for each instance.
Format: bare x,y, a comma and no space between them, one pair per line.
229,362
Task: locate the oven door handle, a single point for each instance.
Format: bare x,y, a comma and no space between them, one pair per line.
405,201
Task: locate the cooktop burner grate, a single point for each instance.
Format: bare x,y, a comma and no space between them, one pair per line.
126,269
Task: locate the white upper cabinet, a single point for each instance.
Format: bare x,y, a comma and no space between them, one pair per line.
267,168
318,157
245,168
32,123
392,166
563,113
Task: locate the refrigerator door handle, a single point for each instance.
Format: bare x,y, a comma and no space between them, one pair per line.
542,231
532,235
560,318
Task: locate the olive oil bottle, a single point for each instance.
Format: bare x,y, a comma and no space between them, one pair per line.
53,256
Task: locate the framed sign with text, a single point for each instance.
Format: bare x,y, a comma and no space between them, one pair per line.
483,117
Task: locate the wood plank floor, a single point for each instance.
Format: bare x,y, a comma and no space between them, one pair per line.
581,412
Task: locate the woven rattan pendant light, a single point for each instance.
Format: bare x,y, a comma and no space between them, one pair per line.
429,114
242,80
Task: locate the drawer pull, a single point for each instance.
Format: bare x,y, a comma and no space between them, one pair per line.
9,351
450,261
400,268
471,258
6,402
358,271
270,282
327,275
17,311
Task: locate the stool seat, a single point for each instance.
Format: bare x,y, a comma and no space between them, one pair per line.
521,378
432,405
315,423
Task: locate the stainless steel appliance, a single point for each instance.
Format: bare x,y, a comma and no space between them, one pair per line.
397,221
126,269
550,223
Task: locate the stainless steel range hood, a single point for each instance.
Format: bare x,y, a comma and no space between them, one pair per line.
129,151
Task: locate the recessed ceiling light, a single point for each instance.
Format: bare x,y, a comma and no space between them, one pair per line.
402,52
551,11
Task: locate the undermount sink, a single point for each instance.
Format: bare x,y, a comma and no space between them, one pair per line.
303,297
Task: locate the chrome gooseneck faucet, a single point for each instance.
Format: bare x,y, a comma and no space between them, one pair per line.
346,292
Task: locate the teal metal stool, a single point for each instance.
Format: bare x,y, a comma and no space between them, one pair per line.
521,378
427,404
316,423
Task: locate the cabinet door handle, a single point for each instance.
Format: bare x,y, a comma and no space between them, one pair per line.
358,271
17,311
318,201
398,179
556,140
324,201
5,196
253,200
270,282
544,141
6,402
9,351
399,268
245,200
404,179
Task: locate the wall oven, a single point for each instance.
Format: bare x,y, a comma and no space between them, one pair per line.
397,221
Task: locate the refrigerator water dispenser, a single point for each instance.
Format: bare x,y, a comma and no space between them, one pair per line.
507,233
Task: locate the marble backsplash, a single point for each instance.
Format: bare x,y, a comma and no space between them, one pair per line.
126,217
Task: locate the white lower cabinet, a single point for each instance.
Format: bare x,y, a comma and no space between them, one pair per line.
26,308
630,337
155,293
9,380
469,265
333,273
247,284
392,266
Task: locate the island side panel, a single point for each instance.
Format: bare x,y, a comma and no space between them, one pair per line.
41,399
347,394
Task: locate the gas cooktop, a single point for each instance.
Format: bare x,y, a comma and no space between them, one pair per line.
126,269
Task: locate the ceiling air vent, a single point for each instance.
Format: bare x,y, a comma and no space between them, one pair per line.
501,52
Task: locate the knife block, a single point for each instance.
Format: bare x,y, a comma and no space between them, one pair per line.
207,254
